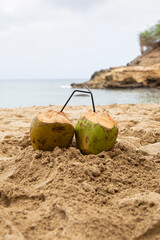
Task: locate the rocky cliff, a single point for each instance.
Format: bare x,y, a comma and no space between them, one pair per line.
144,71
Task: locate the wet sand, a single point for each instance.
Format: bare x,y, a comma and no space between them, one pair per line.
65,195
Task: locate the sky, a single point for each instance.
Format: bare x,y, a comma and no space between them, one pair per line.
70,38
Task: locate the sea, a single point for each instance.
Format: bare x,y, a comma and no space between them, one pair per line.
44,92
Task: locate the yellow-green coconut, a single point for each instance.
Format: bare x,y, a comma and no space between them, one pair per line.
51,129
95,132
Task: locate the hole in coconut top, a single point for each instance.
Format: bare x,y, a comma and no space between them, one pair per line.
53,117
104,119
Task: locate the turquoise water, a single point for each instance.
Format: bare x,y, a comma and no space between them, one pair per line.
23,93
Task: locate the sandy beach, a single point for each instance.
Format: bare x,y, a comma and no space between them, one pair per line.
64,195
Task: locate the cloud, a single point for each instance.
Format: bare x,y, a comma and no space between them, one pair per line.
27,15
41,15
78,36
14,7
76,5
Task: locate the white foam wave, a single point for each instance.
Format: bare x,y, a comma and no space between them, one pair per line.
65,86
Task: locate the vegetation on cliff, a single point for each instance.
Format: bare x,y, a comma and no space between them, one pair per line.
150,38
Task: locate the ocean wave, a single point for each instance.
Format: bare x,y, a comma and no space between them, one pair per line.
65,86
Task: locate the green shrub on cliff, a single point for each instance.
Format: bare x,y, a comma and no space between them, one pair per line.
150,37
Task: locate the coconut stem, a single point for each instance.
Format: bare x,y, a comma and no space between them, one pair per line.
81,91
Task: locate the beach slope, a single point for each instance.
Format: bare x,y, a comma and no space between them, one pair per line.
63,194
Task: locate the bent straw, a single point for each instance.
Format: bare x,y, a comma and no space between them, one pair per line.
81,91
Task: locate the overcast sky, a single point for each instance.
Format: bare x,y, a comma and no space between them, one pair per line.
70,38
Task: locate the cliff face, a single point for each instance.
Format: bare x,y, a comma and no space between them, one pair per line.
144,71
147,59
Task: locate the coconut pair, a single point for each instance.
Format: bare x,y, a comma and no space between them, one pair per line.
95,132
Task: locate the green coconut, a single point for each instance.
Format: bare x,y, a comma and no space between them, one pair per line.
95,132
51,129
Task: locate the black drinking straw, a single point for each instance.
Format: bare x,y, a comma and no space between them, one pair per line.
81,91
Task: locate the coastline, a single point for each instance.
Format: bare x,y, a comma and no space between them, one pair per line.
142,72
64,195
125,77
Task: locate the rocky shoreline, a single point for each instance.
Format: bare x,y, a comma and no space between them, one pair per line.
142,72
